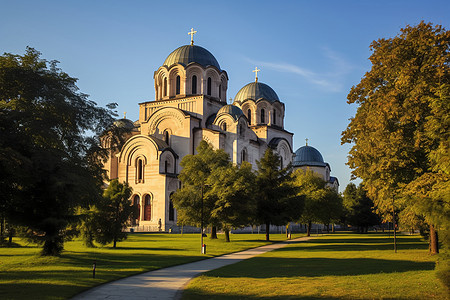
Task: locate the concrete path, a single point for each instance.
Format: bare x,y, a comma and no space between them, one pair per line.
168,283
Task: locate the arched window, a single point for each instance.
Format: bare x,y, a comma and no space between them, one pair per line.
208,89
166,137
147,208
171,209
177,91
224,126
165,87
263,116
243,155
249,116
194,84
274,116
140,170
137,207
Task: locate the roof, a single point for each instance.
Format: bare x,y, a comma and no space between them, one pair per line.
308,156
256,91
232,110
188,54
124,123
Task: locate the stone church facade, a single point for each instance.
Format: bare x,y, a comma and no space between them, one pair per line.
190,105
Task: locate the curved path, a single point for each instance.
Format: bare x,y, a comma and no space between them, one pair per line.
168,283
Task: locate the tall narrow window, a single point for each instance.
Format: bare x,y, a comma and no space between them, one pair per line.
208,89
177,91
274,116
171,209
147,208
224,126
166,137
220,91
249,116
140,170
263,116
137,207
194,84
165,87
243,155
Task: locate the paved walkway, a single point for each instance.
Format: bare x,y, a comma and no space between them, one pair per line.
168,283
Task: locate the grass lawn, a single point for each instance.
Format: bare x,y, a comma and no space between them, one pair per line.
335,266
24,274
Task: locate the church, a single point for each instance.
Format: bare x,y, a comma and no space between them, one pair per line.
190,105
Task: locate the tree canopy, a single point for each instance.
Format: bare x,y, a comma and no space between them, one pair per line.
400,133
49,147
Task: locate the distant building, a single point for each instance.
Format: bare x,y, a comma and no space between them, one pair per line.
309,158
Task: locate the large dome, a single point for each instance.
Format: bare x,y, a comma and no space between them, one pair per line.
125,124
189,54
256,91
308,156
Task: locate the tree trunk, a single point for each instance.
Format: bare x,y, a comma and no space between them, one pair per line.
115,242
227,235
332,228
267,231
434,242
328,228
213,232
308,229
287,231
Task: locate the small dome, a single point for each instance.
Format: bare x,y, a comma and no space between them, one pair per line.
124,123
191,54
232,110
308,156
256,91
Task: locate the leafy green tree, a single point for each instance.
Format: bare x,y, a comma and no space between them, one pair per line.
277,200
400,133
330,207
233,188
113,214
50,157
194,195
359,208
312,188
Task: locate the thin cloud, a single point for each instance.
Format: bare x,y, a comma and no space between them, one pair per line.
331,80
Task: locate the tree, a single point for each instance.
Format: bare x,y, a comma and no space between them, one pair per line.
233,187
49,148
400,132
359,208
194,202
312,188
114,211
277,201
330,208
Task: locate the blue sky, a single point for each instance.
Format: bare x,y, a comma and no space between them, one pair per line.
310,52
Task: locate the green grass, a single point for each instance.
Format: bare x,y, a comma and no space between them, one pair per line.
24,274
337,266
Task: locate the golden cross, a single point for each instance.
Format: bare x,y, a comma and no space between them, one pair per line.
191,33
124,114
256,70
306,141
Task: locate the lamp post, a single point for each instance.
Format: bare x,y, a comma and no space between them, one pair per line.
201,223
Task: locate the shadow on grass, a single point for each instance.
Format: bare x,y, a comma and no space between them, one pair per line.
269,267
194,295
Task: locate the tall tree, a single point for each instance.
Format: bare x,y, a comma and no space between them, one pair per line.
312,188
400,132
277,201
233,187
195,197
113,214
49,147
359,208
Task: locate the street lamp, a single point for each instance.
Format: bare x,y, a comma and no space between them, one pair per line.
201,224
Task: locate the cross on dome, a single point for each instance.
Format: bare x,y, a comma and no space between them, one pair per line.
256,70
306,141
191,33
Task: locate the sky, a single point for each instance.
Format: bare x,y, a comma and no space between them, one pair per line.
310,52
